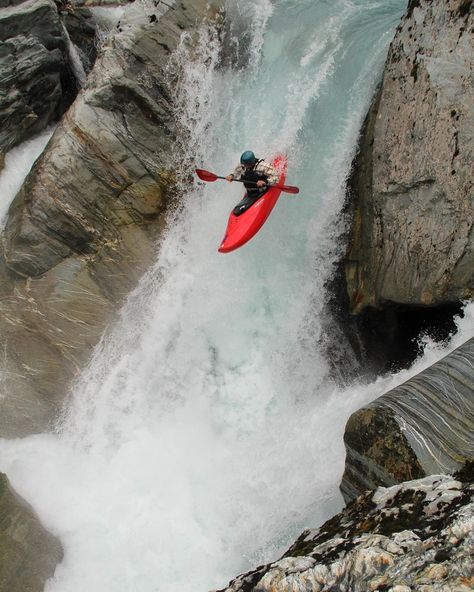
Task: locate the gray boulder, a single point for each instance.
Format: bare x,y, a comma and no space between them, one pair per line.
377,453
421,427
28,553
412,240
35,80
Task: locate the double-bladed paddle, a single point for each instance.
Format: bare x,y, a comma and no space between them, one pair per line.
208,176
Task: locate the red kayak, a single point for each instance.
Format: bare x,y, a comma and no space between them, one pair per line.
240,229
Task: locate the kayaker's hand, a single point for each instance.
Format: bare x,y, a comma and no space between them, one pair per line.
261,183
229,178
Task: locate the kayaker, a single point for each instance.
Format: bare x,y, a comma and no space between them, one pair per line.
257,176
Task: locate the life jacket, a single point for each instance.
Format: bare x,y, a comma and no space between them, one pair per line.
250,178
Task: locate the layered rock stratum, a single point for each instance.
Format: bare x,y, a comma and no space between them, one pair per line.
412,239
423,426
36,80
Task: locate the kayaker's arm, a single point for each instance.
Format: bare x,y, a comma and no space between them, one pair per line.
263,168
269,171
259,183
236,174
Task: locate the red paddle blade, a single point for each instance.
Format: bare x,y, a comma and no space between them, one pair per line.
206,175
288,188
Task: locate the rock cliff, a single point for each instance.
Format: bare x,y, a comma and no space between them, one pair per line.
84,226
414,536
28,554
82,31
421,427
412,240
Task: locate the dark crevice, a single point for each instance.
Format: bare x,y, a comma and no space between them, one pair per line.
464,8
411,7
385,339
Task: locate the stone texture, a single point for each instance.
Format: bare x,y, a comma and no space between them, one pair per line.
28,553
412,236
5,3
108,3
82,31
84,226
377,453
35,80
421,427
414,536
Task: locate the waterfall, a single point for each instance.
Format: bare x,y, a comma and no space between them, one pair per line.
18,162
75,60
206,432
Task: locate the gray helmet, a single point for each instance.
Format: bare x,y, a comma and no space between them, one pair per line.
248,157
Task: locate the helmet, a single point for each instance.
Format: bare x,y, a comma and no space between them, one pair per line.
248,157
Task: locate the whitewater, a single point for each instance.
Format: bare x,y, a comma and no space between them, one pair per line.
206,432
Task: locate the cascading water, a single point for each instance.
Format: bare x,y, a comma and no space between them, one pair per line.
18,162
206,433
75,60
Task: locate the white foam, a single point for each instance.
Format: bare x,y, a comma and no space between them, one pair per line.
18,163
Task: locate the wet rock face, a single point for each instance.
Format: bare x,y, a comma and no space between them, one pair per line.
377,453
412,240
83,228
82,31
5,3
35,81
418,534
28,553
421,427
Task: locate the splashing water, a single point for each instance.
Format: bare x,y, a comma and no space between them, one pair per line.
18,163
205,433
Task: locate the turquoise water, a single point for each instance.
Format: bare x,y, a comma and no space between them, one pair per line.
206,433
